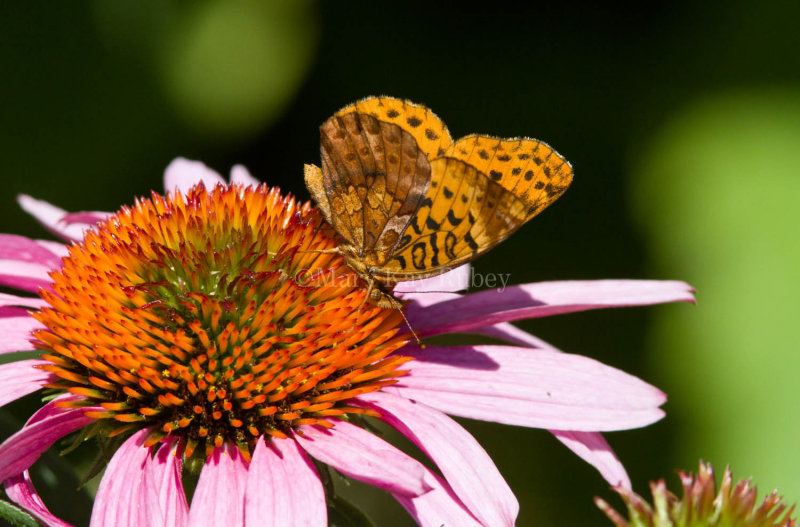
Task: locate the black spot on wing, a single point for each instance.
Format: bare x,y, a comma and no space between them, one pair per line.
471,242
434,251
405,240
452,219
418,252
450,241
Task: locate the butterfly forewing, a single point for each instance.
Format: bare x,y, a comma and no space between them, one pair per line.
374,176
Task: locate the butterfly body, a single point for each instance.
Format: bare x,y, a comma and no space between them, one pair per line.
409,203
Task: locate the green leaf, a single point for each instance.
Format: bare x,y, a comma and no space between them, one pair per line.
342,513
16,516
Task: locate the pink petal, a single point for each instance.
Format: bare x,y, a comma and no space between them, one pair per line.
466,466
16,327
51,218
219,496
86,217
126,497
593,448
21,378
165,471
283,487
512,334
23,249
365,457
47,425
487,308
24,275
21,491
529,387
182,174
57,248
454,280
590,446
16,330
437,507
241,176
7,300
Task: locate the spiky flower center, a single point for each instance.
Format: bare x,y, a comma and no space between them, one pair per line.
214,317
703,503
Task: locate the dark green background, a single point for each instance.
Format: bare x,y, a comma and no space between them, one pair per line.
98,97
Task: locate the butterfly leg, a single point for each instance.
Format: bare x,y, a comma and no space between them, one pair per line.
370,287
320,225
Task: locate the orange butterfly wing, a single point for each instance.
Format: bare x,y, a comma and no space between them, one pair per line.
374,172
425,127
527,168
463,215
410,203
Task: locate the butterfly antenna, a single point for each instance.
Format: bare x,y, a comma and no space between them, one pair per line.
335,250
318,229
399,307
455,292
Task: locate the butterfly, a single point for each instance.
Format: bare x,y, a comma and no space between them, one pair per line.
408,202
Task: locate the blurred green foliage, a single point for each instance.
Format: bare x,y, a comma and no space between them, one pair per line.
227,69
690,105
717,194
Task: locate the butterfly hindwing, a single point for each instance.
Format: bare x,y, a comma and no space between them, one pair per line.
527,168
463,215
428,130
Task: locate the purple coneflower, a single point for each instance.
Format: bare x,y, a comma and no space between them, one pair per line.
206,327
703,503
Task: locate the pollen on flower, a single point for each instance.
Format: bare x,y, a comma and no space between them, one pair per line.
214,317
